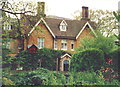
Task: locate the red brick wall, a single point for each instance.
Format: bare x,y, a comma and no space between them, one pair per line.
41,32
85,33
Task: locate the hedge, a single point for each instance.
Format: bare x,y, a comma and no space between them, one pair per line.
29,61
87,60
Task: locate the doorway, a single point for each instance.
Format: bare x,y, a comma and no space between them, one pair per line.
66,65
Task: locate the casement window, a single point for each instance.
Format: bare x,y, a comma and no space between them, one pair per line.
40,43
63,26
64,45
55,44
72,45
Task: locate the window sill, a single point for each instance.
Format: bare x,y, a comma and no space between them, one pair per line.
63,49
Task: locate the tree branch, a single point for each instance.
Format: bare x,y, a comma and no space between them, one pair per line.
16,12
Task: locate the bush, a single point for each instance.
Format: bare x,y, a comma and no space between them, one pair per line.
86,78
87,60
114,55
40,76
6,81
29,61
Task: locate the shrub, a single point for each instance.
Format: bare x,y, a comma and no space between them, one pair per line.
40,76
6,81
86,78
114,55
29,61
87,60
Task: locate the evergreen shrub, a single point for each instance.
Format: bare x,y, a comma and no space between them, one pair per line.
87,60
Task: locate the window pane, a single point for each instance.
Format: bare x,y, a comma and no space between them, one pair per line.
40,42
64,45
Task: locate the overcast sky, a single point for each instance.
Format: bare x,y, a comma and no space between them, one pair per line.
65,8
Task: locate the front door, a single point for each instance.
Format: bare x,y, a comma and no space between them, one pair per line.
66,65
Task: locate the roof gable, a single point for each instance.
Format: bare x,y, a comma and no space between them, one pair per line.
63,25
87,23
41,20
74,27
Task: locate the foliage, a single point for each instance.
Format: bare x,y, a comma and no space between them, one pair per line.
6,81
117,16
86,78
40,76
104,19
108,73
45,58
43,76
114,55
106,44
87,60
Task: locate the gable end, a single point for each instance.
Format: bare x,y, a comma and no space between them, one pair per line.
87,24
41,20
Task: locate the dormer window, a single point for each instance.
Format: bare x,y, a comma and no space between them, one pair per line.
63,26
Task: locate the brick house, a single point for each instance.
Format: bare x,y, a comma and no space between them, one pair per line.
56,33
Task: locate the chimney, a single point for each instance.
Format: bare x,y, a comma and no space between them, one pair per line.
85,13
41,9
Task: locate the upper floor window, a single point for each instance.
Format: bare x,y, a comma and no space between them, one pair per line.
55,44
64,45
72,45
40,43
7,26
63,26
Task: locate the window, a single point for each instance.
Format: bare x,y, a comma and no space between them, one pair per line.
72,45
63,26
64,45
40,43
7,26
55,44
8,45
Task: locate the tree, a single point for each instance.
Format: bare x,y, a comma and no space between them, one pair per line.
15,9
106,44
104,19
117,16
19,12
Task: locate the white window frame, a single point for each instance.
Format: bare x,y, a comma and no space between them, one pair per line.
72,43
7,26
55,44
63,26
63,44
40,43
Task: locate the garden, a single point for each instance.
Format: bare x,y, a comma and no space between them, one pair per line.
94,63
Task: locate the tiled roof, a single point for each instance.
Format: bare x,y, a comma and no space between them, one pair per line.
73,27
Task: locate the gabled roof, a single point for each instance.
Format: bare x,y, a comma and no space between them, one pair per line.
73,27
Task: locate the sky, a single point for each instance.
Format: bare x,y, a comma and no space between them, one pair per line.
66,8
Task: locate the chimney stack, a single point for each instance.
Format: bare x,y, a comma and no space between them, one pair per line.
41,9
85,13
